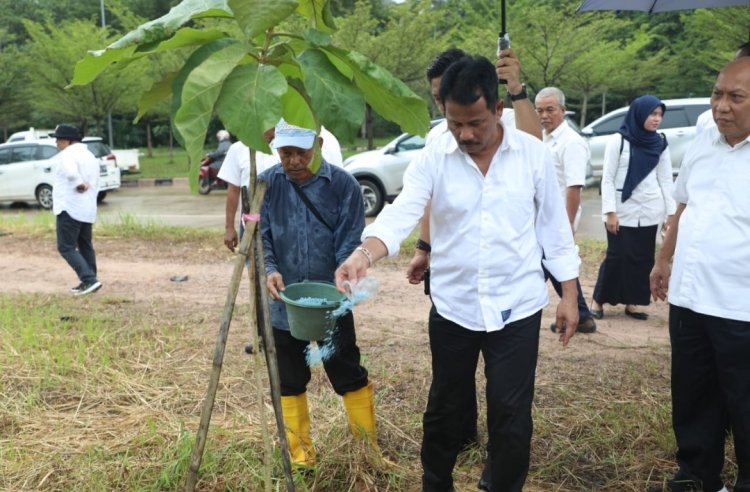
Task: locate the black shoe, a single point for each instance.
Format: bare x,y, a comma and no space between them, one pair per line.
88,288
677,485
485,481
587,326
78,288
637,315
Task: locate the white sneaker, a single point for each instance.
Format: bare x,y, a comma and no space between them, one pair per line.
88,288
77,288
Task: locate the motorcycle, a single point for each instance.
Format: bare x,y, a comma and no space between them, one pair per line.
208,177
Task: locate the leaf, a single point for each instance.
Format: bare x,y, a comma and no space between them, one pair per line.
196,58
319,12
250,102
256,16
182,38
157,93
297,111
95,62
317,38
336,100
387,95
199,93
166,25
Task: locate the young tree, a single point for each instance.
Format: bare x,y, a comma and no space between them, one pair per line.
252,80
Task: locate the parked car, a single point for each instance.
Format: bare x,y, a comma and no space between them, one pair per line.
678,126
30,134
26,170
380,172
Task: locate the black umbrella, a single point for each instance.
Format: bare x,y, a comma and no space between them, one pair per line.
657,5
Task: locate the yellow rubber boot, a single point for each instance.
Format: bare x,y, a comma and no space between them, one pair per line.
297,423
360,411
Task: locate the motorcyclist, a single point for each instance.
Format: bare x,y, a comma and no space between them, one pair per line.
217,156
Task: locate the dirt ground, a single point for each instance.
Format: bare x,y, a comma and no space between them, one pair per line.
134,270
393,323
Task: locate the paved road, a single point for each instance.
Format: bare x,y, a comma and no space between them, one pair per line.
168,205
175,205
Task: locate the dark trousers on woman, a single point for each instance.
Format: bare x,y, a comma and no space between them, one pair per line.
343,366
710,392
75,245
623,275
510,357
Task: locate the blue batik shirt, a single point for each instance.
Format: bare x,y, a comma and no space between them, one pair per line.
295,242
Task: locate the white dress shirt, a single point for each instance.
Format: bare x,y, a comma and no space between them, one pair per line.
651,200
488,232
236,166
75,165
508,118
571,154
705,120
711,265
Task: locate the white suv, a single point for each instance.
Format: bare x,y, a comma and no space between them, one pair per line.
26,170
678,126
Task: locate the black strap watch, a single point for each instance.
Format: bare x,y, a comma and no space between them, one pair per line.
520,95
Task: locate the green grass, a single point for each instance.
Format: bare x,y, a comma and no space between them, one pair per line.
125,225
105,393
164,164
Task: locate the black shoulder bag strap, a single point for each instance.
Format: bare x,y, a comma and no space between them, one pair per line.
310,206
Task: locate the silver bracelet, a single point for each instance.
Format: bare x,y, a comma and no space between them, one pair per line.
367,254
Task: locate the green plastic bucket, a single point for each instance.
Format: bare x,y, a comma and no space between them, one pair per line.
307,321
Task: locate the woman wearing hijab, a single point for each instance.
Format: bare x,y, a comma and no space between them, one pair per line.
636,196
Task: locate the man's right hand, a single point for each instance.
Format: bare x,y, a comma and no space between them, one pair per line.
274,284
230,239
417,266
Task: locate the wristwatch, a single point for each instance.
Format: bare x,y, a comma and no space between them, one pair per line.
423,245
520,95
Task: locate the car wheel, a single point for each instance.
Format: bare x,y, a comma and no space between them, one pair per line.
204,186
101,196
44,196
372,197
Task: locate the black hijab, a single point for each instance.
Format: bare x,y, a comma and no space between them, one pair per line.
645,146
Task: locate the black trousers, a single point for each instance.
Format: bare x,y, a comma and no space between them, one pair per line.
74,243
710,392
343,367
510,357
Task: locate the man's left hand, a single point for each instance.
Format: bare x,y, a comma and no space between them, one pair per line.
508,68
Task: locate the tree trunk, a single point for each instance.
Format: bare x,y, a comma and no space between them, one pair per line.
604,103
149,142
584,109
368,128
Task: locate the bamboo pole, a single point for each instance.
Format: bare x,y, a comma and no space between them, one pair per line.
221,341
269,348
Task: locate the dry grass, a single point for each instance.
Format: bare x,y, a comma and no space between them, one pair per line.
106,395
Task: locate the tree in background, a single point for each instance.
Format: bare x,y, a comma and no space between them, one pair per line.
14,110
52,53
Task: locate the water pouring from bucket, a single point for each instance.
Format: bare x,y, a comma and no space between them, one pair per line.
313,308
